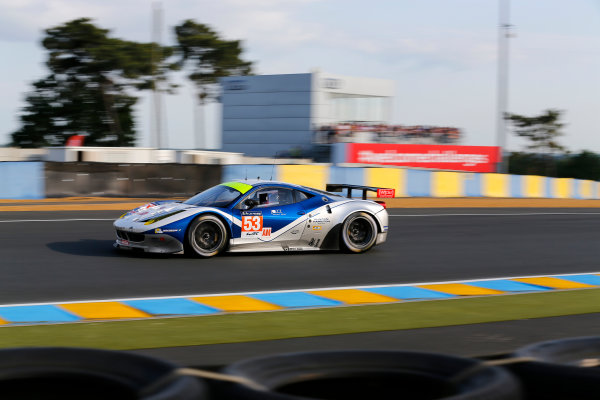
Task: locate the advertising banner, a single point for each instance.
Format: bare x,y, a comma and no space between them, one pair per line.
456,158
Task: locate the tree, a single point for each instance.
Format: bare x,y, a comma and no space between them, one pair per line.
542,132
585,165
209,57
88,88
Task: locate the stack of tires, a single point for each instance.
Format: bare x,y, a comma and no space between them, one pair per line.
350,375
71,373
563,370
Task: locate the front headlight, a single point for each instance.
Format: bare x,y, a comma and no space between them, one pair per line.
160,217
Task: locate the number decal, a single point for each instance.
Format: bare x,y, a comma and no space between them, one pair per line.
252,223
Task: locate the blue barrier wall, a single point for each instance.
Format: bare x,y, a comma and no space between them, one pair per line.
27,180
516,186
21,180
347,175
418,183
472,185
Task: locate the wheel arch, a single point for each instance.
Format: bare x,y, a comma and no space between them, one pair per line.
220,217
379,227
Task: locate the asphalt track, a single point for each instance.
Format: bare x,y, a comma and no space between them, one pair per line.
62,256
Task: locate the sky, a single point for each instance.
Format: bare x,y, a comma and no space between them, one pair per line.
441,54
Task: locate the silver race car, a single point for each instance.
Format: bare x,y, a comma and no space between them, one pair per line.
257,216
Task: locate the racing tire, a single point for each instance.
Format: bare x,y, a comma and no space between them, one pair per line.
359,233
559,372
365,374
206,236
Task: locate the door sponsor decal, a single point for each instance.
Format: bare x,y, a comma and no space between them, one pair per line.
252,227
252,223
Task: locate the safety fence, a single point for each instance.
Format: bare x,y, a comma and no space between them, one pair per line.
35,180
422,183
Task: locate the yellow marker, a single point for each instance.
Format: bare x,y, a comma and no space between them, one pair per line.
3,322
447,184
460,289
235,303
495,185
354,296
533,186
554,283
393,178
103,310
308,175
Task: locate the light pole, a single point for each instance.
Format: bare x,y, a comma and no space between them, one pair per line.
502,81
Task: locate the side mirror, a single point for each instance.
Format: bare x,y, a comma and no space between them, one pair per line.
250,203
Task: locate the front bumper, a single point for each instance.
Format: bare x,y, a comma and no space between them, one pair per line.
151,243
381,237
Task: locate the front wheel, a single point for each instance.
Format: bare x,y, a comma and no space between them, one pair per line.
206,236
359,232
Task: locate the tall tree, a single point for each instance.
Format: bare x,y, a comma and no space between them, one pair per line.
208,57
88,90
542,131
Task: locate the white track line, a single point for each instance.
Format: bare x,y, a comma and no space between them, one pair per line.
489,214
58,220
391,215
299,290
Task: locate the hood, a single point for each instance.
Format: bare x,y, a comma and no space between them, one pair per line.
153,210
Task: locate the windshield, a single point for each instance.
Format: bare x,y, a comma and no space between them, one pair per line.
216,196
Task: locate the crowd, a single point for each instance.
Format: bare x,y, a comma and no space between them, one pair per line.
360,132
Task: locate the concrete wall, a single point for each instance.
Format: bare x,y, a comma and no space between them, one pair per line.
129,180
18,154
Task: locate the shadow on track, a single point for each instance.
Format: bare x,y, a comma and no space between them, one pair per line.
98,248
105,248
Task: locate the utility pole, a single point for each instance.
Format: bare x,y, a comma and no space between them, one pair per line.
502,83
156,119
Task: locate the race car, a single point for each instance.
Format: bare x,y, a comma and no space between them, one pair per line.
256,215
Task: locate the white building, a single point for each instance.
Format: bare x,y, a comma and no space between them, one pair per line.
265,115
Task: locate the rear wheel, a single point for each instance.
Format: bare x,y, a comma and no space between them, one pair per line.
359,232
206,236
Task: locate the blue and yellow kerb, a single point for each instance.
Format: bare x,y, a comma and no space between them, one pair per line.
127,309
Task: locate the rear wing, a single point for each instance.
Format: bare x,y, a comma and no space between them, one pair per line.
338,187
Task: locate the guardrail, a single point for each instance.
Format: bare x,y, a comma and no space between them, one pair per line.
35,180
423,183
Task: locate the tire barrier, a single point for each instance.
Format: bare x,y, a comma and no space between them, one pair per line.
556,370
352,375
565,369
73,373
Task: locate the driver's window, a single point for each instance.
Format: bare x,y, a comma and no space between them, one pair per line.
271,197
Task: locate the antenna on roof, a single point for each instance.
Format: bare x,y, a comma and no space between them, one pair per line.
246,173
273,166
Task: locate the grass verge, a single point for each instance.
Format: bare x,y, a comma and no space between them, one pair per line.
302,323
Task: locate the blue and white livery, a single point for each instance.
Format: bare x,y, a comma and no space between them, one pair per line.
256,216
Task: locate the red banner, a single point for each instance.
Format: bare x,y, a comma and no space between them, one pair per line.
456,158
75,141
386,193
